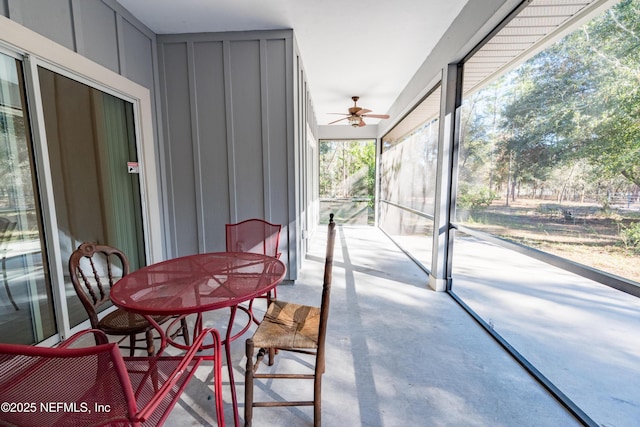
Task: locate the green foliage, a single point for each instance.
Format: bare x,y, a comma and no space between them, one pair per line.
630,236
606,205
575,103
472,197
347,169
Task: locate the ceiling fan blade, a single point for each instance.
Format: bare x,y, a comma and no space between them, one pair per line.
362,123
339,120
376,116
363,111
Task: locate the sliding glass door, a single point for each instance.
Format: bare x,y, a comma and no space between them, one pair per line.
92,151
84,166
26,297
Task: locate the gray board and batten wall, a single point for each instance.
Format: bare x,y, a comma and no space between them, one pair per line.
228,132
230,112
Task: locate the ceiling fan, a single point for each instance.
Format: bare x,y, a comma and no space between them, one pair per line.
356,115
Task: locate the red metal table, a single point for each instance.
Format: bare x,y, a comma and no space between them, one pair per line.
198,283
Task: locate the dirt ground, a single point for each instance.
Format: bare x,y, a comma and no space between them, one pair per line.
583,233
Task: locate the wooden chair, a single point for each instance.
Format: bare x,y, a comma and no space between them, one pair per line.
96,386
292,327
255,236
6,229
93,279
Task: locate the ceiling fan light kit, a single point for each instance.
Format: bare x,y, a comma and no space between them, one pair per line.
356,114
355,121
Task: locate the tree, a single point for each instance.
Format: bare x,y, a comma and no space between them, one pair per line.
613,40
347,168
580,98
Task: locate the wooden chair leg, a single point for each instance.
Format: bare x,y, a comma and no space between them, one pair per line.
248,384
317,400
272,356
132,344
151,349
185,331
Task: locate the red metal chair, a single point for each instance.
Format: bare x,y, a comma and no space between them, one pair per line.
255,236
96,386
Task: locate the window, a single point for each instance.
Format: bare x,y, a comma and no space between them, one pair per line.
347,180
547,208
551,154
408,165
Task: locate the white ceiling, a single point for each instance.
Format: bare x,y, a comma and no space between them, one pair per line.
370,49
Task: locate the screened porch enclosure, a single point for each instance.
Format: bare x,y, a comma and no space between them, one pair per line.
537,237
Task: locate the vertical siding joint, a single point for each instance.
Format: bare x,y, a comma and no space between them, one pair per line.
265,143
231,148
76,27
195,135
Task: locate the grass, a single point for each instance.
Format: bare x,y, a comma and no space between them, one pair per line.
583,233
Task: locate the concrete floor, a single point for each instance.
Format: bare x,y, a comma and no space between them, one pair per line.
398,354
583,336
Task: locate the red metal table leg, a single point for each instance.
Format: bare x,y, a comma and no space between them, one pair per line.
227,347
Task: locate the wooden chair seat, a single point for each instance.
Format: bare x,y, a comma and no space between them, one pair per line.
124,322
288,325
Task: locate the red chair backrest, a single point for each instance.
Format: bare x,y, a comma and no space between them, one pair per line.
254,235
64,387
